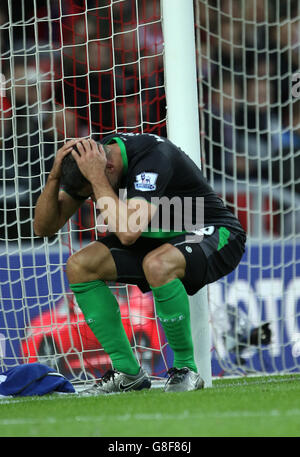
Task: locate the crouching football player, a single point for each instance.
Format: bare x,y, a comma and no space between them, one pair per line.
139,248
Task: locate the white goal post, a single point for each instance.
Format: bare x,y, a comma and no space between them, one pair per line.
183,129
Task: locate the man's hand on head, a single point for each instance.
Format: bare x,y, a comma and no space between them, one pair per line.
91,159
61,153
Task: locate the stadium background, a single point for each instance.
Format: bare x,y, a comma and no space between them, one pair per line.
78,68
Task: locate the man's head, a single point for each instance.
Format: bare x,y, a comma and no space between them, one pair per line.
75,182
71,176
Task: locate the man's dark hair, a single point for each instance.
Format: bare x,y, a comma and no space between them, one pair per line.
71,177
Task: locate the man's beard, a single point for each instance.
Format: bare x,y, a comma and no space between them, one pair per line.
114,182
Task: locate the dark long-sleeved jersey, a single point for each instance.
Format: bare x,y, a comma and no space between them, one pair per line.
161,173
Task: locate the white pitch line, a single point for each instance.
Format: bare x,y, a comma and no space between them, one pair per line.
156,416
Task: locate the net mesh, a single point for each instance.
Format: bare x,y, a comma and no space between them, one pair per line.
248,56
69,69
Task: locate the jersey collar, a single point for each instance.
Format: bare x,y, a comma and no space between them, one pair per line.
122,147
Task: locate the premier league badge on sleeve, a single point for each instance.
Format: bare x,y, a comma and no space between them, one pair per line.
146,181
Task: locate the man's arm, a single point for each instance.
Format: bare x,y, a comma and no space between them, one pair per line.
127,219
54,207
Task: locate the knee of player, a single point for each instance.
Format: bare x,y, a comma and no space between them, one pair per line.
75,267
72,264
156,269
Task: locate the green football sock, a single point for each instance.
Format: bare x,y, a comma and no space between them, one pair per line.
173,310
102,314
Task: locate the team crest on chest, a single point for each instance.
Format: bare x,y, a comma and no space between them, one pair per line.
146,181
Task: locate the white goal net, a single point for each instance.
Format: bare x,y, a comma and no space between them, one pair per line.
248,55
90,67
69,69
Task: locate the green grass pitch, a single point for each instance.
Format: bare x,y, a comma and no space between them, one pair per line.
243,407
